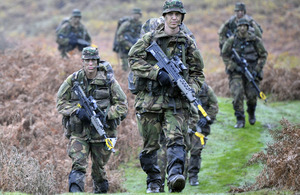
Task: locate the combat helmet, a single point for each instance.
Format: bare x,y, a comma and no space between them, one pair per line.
173,5
240,6
76,13
136,11
90,53
243,21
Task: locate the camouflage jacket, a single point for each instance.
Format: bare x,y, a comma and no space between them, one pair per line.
210,105
105,90
251,48
229,27
63,34
154,98
128,34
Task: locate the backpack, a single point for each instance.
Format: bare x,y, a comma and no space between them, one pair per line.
116,46
61,24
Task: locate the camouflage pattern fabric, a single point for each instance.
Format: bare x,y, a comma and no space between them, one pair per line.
84,139
155,98
252,49
231,25
127,35
63,37
210,104
161,108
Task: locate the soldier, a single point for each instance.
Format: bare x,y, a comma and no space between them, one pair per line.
250,47
72,34
97,80
229,27
210,105
159,106
128,34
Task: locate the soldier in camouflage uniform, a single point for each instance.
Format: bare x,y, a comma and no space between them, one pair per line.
160,107
197,124
97,80
70,32
229,27
149,26
128,34
250,47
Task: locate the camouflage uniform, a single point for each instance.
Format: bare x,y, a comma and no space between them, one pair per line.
83,138
151,25
229,27
66,31
127,35
210,105
252,49
160,108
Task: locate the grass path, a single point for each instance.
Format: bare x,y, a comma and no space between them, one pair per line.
224,160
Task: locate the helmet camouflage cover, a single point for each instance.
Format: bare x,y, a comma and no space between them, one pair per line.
76,13
173,5
90,53
240,6
243,21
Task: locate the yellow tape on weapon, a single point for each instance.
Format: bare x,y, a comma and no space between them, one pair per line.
109,143
263,96
79,106
202,110
201,136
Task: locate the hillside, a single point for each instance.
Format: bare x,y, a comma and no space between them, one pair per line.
31,72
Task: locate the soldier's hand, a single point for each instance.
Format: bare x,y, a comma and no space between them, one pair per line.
254,74
82,115
202,122
72,41
163,78
101,117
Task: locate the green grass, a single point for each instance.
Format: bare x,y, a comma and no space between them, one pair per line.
224,160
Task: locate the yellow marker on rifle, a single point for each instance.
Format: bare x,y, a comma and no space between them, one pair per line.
263,96
201,136
109,144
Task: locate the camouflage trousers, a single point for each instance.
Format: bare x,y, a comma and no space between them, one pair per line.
194,158
150,126
124,61
79,150
240,87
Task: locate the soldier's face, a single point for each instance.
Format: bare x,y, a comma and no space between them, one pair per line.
243,28
240,13
173,19
136,16
90,65
75,20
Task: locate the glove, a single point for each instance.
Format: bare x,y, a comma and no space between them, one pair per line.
73,40
82,115
238,69
202,122
101,117
254,74
163,78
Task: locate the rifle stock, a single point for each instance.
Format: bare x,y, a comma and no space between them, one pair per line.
243,63
173,67
90,106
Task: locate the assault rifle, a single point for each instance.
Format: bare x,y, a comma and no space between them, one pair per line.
199,135
90,106
80,42
243,64
173,67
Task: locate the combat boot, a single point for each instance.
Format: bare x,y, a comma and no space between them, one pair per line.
76,181
240,117
251,113
176,183
153,187
194,181
240,124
